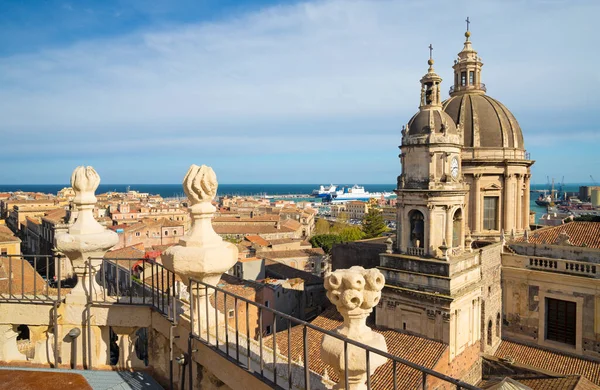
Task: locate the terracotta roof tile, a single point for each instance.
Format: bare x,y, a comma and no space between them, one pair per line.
257,240
579,233
6,235
250,229
551,361
294,253
20,268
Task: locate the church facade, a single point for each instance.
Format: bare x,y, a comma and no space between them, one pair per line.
464,184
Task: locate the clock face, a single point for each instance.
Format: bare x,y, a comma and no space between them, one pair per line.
454,167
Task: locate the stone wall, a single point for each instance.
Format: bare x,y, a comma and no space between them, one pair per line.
491,295
364,253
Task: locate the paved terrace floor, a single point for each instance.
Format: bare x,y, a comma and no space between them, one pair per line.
58,379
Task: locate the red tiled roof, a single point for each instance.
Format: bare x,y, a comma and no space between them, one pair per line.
6,235
294,253
18,268
249,229
257,240
548,360
579,233
418,350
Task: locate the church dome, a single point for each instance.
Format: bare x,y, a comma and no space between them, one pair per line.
485,122
430,121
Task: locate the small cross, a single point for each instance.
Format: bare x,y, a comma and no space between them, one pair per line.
468,22
430,51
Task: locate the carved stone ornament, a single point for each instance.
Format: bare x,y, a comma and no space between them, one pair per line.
354,292
563,239
201,254
86,241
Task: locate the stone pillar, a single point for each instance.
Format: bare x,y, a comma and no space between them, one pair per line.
477,212
508,203
86,238
354,292
449,226
519,203
8,345
201,254
126,341
526,200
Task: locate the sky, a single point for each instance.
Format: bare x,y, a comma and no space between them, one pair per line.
279,91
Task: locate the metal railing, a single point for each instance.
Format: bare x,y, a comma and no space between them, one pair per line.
156,286
27,278
279,369
469,87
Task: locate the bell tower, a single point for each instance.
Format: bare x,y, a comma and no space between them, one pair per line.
431,192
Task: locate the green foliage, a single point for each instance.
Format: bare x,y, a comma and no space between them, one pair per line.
587,218
322,226
351,233
325,241
233,240
373,224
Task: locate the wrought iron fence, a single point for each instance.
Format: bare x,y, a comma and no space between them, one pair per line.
279,369
27,278
136,281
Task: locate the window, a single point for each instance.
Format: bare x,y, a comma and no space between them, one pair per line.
166,232
137,234
268,329
490,213
498,325
561,320
489,333
4,251
230,313
463,78
471,78
267,303
417,229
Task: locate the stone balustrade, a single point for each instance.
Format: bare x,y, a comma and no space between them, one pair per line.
565,266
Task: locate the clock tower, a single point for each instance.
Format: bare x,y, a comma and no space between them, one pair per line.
431,191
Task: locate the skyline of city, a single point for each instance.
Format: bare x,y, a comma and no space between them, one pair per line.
314,92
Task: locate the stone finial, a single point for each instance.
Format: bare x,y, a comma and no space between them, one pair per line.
85,181
87,241
201,254
200,184
526,235
502,237
389,245
563,239
354,292
469,242
512,235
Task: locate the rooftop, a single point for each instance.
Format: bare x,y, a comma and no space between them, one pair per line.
580,234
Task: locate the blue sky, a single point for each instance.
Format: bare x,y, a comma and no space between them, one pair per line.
278,92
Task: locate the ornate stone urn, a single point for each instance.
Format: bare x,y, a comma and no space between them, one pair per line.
354,292
86,238
201,254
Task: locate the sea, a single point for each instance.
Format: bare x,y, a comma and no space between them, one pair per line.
277,191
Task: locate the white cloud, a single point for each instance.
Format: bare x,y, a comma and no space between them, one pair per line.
271,72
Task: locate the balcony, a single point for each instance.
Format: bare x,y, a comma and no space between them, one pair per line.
413,251
287,358
460,88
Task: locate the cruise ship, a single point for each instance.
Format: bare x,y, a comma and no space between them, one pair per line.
325,191
356,192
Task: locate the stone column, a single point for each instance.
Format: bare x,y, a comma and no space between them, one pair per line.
126,341
201,254
508,203
477,212
526,200
354,292
519,200
448,209
86,238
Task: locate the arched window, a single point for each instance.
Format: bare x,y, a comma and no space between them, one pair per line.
489,333
456,228
417,229
498,325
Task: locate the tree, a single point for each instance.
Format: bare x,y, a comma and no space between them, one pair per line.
351,233
325,241
321,226
373,224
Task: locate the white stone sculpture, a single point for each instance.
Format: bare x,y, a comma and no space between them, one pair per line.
86,238
201,254
354,292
